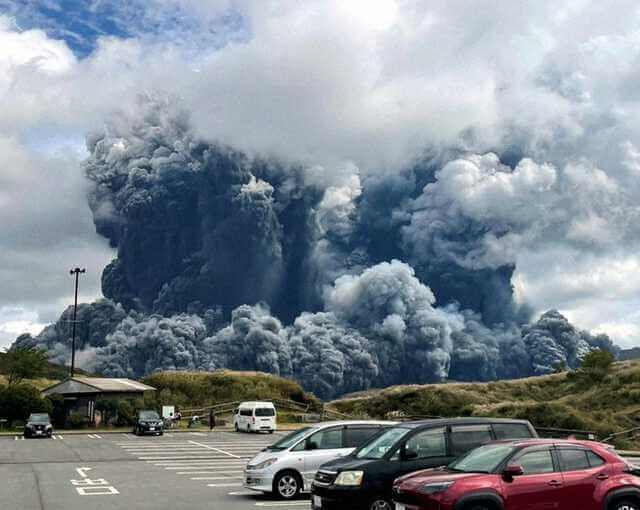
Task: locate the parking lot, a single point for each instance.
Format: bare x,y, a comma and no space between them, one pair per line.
123,471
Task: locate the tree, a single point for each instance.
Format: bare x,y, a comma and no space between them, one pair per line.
24,363
20,400
108,408
596,364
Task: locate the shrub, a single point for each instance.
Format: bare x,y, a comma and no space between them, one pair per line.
20,400
77,421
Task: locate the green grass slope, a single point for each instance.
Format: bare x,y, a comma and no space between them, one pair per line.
556,401
194,389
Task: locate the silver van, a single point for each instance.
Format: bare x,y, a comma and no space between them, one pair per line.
288,466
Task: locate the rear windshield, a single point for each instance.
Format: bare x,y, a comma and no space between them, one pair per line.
292,438
265,411
149,415
380,444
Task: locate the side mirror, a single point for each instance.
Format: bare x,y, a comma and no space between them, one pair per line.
513,470
409,455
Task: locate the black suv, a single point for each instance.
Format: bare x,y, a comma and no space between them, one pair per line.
38,425
363,480
148,422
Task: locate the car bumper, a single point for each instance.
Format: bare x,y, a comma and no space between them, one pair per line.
148,430
258,481
323,498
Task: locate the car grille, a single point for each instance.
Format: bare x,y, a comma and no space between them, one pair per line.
325,477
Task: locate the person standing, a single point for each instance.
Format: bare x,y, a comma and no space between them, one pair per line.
212,420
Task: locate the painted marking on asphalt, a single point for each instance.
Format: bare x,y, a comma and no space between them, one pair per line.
94,436
215,449
242,493
201,434
224,485
85,486
205,466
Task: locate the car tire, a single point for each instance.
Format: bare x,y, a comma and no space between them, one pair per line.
381,504
625,504
287,485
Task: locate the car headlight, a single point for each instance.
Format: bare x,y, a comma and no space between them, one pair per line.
349,478
264,465
49,426
432,488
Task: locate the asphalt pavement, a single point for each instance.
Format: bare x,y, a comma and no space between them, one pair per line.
196,470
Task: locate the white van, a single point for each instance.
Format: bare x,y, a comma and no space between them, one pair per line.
255,417
287,467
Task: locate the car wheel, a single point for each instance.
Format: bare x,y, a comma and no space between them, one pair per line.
625,505
380,504
287,485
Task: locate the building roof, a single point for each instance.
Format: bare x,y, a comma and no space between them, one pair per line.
87,385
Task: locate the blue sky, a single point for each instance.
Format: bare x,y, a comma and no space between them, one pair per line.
81,23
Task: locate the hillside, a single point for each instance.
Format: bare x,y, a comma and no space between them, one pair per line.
195,389
557,400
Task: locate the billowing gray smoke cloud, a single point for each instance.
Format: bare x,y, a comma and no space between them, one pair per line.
343,282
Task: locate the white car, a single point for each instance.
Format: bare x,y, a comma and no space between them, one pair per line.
287,467
255,417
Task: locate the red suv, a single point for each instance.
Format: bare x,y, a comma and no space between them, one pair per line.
525,475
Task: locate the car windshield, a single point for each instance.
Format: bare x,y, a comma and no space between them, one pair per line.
291,439
149,415
265,411
39,418
380,444
484,459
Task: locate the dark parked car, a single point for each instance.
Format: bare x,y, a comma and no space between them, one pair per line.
148,422
364,479
38,425
523,475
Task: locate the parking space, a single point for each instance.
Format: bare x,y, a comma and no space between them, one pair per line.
123,471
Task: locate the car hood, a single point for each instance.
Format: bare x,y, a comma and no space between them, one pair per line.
420,478
347,464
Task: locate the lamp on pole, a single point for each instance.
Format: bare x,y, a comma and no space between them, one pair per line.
77,271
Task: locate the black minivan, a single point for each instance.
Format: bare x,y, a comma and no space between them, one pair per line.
363,480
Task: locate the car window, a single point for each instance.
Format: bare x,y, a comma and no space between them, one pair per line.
594,459
536,462
246,412
265,411
467,437
428,443
326,439
354,436
574,460
511,431
378,446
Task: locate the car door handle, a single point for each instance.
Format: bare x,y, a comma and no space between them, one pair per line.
602,476
555,483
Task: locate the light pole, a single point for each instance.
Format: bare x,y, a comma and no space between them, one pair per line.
77,271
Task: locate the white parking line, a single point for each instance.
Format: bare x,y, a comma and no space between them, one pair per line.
215,449
206,466
224,485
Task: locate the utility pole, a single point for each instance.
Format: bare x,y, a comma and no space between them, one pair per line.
77,271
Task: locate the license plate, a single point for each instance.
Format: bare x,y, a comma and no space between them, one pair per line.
400,506
38,432
152,428
317,502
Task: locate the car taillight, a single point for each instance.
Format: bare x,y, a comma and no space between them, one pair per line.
253,419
